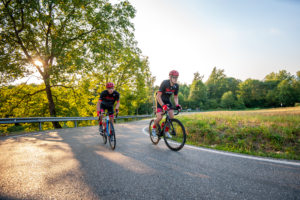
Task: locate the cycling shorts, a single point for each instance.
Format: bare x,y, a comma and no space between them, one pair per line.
110,109
160,109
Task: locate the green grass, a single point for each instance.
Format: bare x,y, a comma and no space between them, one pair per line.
272,132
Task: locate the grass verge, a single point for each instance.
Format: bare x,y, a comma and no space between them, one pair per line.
271,133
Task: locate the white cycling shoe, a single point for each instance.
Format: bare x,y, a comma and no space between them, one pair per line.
153,132
168,135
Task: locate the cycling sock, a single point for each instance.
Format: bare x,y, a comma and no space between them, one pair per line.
162,126
153,126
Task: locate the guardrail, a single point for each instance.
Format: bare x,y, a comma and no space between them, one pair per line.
59,119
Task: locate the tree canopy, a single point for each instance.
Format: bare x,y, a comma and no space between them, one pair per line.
66,40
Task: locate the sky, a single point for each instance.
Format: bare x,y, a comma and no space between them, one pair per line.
246,38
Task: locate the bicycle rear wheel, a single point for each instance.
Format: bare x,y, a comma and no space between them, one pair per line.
177,131
112,136
156,139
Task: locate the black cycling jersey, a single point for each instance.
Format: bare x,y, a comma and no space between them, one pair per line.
167,90
109,99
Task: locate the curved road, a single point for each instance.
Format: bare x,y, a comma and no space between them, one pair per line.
75,164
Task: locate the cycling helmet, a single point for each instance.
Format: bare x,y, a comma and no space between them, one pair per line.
109,85
173,73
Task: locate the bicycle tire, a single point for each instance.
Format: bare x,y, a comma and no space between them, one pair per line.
104,137
178,135
112,135
156,139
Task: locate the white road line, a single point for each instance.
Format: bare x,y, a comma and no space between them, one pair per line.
235,155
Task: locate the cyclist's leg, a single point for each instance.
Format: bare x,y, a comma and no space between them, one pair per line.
171,111
171,115
159,115
110,110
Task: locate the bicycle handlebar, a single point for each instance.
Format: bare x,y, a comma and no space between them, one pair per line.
107,113
174,114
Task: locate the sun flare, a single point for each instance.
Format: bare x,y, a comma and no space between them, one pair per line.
38,63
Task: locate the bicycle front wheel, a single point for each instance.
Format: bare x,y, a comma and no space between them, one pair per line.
177,131
112,136
104,137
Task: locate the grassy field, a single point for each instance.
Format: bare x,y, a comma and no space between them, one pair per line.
271,132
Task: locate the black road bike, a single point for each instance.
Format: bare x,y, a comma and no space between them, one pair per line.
176,130
108,131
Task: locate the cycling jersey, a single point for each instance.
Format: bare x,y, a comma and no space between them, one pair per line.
109,99
167,90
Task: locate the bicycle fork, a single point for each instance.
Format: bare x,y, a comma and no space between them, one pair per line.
169,126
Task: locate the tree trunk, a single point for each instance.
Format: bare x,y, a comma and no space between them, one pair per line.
50,101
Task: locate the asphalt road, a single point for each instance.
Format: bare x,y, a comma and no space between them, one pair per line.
75,164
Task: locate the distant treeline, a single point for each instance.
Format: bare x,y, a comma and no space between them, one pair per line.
222,92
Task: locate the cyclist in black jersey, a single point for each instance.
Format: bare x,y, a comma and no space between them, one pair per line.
166,89
106,102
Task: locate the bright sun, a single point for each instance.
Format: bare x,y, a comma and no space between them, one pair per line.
38,63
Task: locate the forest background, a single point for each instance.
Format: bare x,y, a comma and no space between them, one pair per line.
78,46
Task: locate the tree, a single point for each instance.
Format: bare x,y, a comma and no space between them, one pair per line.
280,76
252,92
272,98
227,100
233,85
197,77
212,104
216,84
240,103
286,93
62,40
198,92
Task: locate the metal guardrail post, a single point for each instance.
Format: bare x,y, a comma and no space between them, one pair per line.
75,123
40,125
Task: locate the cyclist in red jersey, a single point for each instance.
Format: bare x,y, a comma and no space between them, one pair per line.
166,89
106,102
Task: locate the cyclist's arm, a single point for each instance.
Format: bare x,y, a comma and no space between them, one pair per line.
158,97
176,99
118,105
98,105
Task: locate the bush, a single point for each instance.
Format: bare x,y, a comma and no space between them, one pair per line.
15,128
297,104
212,104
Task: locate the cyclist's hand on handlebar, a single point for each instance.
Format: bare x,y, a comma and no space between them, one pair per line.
178,107
165,107
117,111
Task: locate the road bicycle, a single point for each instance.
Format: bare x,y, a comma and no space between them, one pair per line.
176,129
108,131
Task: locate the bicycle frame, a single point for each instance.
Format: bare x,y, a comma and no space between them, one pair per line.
167,121
107,124
106,120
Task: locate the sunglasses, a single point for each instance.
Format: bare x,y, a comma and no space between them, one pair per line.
111,88
175,77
